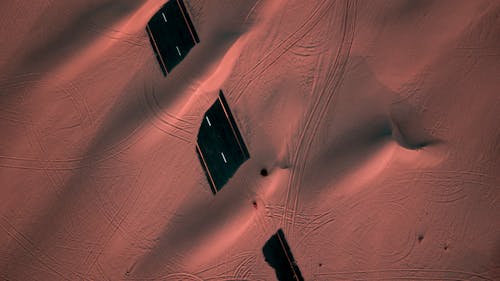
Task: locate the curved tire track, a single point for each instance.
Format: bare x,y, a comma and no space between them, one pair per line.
334,76
283,47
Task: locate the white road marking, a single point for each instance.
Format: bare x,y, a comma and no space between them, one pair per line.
208,120
164,17
178,50
223,157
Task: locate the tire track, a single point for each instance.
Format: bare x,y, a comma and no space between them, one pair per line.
175,127
311,50
404,274
170,277
100,270
283,47
133,40
35,80
251,10
73,163
315,228
110,213
451,183
401,246
243,268
243,256
294,157
119,217
338,75
319,109
261,223
305,220
22,80
29,246
83,109
36,145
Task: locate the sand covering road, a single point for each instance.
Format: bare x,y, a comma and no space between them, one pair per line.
378,122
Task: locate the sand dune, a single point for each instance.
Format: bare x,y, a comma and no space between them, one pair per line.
377,121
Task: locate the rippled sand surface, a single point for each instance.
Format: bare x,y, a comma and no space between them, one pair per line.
378,123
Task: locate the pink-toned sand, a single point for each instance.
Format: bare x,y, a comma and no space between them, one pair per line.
379,123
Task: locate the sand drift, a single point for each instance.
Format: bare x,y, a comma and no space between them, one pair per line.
250,140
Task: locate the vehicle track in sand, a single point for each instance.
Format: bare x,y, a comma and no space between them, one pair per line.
132,39
86,120
166,122
238,259
277,52
28,245
116,222
334,75
403,274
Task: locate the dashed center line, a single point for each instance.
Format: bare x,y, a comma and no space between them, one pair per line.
164,17
223,157
208,120
178,51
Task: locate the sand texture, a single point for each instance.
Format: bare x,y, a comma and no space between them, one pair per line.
378,123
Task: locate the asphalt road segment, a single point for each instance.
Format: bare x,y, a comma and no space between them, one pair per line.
172,34
279,256
220,145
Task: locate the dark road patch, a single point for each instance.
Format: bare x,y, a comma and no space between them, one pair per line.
172,34
279,256
220,145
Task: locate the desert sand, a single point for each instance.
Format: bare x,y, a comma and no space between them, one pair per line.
378,122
